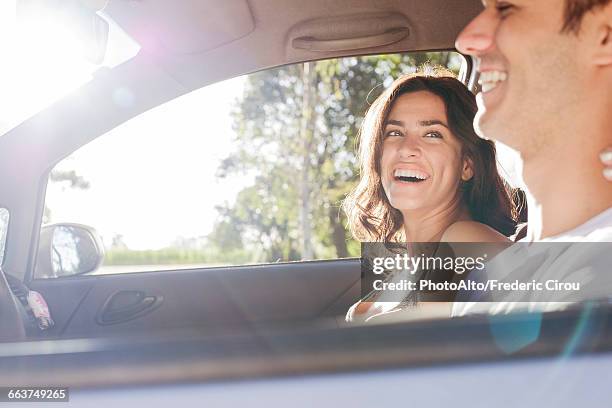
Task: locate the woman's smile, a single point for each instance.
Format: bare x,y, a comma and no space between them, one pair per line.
410,175
410,178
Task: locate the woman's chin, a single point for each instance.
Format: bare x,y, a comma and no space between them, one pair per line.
408,204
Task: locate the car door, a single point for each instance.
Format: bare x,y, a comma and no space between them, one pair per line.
212,300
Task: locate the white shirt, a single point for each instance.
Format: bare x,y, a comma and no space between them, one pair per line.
597,229
578,261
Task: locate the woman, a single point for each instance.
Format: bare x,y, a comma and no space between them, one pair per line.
426,176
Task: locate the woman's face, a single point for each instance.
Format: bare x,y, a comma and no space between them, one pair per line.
422,164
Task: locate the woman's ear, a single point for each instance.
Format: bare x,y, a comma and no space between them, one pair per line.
467,172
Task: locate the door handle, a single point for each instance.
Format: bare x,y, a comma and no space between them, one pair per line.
126,305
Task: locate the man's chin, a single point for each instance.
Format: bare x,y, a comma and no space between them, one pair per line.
481,124
489,126
487,123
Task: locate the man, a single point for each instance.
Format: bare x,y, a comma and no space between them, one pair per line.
546,75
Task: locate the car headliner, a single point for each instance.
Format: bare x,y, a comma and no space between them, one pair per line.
184,46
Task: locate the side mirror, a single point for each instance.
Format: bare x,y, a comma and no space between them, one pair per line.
68,249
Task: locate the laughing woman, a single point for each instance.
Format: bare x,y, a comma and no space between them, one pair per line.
426,176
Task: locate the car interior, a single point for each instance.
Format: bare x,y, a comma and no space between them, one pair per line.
230,321
189,52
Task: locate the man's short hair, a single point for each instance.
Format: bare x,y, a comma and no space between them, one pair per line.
575,11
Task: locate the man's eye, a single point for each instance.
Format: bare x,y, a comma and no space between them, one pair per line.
504,8
436,135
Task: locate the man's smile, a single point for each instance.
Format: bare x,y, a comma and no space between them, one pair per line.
489,80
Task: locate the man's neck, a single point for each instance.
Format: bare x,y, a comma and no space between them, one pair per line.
566,191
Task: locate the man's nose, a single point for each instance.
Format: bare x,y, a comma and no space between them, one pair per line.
479,35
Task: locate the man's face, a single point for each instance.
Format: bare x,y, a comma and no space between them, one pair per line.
530,76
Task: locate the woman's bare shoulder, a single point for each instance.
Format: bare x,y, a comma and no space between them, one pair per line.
472,231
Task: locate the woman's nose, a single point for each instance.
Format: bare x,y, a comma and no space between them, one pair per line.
479,35
409,147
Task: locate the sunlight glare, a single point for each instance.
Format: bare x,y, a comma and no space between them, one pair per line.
41,61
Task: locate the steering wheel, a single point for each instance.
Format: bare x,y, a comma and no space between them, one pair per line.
11,324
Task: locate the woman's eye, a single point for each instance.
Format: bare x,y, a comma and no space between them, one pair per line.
436,135
393,133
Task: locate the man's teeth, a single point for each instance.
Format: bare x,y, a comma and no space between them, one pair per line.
490,79
410,173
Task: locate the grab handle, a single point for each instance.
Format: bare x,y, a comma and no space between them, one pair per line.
390,36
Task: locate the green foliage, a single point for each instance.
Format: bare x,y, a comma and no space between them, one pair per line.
295,131
175,256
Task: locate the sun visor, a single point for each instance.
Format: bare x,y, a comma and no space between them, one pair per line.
194,27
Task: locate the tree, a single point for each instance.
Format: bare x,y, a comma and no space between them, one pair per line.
70,177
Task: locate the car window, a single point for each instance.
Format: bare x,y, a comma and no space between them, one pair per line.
4,219
249,170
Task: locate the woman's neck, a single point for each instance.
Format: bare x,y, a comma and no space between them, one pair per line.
428,225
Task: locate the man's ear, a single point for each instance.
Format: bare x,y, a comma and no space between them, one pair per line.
603,35
467,172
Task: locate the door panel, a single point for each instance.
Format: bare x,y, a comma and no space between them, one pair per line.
246,297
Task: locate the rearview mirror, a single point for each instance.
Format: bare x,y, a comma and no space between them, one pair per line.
68,250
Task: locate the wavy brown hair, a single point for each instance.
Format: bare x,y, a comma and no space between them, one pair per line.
486,195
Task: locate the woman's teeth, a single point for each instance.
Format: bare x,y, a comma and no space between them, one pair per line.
410,175
490,79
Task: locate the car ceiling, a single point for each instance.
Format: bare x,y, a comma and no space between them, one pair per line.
195,38
186,45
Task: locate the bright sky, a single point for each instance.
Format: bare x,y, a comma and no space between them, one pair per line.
152,179
38,64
